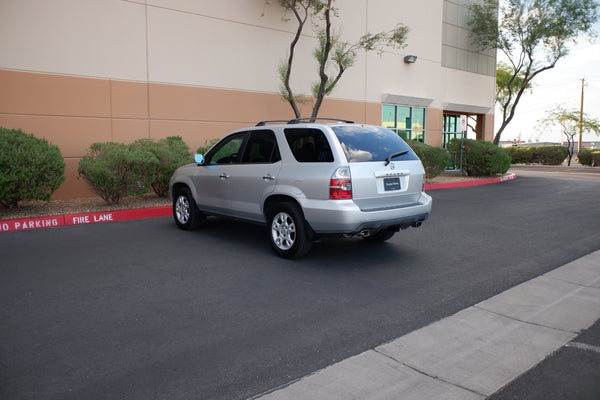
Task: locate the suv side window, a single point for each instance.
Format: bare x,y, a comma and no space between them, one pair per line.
227,151
308,145
262,148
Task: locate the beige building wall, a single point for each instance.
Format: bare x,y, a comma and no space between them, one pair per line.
82,71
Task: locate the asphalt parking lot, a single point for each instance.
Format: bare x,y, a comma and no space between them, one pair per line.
140,310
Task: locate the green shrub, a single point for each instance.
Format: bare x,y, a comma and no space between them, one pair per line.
545,155
589,157
171,154
207,145
114,171
30,168
519,154
481,158
435,159
548,155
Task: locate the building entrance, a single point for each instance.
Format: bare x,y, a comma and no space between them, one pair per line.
452,128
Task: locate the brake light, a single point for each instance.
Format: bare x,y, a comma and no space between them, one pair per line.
340,184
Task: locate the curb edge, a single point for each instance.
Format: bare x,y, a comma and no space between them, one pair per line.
433,186
50,221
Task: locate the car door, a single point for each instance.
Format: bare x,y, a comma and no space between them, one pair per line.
255,177
212,182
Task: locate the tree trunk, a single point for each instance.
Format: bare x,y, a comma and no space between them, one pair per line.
322,74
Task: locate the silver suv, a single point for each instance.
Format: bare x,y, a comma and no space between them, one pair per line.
305,180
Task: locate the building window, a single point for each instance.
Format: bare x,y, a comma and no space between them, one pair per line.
458,49
407,122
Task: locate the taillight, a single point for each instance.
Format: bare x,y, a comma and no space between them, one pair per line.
340,185
423,185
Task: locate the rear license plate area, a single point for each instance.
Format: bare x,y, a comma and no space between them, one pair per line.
391,184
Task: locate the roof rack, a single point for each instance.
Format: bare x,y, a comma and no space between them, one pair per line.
263,123
300,120
313,119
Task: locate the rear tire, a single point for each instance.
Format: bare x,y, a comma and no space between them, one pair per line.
287,231
185,211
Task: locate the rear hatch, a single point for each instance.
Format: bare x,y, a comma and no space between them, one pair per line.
385,172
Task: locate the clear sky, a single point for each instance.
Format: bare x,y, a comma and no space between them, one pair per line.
559,86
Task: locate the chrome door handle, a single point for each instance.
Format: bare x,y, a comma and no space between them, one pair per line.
224,176
268,177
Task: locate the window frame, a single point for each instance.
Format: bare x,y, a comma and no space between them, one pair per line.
321,155
275,155
410,133
222,144
241,157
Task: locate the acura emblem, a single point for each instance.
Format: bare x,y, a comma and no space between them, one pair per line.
392,166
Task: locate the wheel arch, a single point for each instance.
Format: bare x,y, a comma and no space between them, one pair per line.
181,185
274,199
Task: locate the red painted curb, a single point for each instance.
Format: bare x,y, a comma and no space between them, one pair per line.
22,224
448,185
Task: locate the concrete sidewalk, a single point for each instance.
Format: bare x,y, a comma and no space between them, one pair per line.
473,353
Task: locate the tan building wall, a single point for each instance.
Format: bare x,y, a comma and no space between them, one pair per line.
82,71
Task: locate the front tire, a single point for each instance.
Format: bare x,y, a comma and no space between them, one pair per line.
287,231
185,211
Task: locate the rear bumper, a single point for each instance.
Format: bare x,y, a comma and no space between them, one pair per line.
343,216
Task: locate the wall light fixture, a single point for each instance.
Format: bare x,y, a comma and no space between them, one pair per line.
410,59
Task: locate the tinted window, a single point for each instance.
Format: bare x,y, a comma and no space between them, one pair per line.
308,145
227,150
371,143
261,148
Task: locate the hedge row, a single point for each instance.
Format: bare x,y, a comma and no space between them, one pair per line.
480,158
33,169
435,159
545,155
589,157
116,170
30,168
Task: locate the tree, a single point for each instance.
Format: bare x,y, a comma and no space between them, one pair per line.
333,55
533,35
506,84
302,10
570,123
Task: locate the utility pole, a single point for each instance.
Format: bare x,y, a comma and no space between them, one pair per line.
581,117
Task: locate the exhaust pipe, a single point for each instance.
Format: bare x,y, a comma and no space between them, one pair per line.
365,233
417,224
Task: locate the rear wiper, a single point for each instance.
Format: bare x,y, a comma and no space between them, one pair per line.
389,159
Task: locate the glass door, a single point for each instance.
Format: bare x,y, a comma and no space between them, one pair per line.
452,130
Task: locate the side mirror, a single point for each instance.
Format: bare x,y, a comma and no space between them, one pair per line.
199,158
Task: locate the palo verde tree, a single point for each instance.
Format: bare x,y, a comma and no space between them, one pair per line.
333,55
570,122
507,84
533,35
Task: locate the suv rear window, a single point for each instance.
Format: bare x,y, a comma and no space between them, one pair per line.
308,145
371,143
